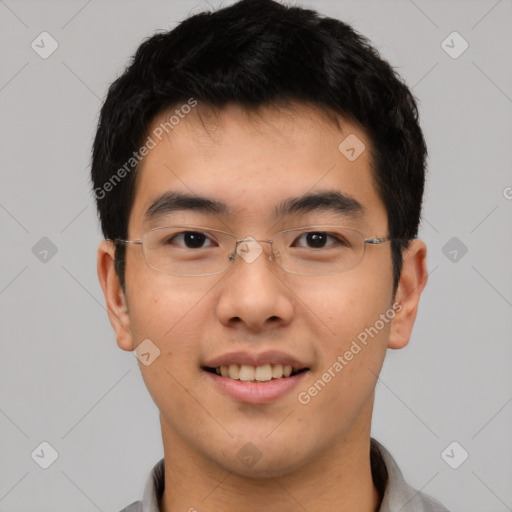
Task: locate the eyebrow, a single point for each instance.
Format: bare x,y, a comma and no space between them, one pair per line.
329,200
178,201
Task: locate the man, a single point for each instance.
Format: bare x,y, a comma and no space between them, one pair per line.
259,174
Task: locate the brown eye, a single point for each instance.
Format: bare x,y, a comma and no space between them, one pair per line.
314,240
189,239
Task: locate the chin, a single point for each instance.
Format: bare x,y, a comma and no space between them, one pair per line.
261,459
264,468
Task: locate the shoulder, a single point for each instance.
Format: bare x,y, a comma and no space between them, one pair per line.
153,491
421,502
136,506
398,495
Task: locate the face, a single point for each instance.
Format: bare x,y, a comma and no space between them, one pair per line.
255,317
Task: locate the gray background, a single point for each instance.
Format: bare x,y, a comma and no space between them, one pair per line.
64,381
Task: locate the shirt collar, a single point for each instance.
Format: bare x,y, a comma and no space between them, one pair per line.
398,496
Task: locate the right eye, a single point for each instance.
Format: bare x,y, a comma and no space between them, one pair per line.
189,240
320,240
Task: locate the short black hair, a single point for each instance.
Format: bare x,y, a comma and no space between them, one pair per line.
259,53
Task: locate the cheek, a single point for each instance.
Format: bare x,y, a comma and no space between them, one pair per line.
342,306
170,313
165,307
352,338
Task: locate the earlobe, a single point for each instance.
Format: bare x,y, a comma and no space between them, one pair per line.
115,299
411,284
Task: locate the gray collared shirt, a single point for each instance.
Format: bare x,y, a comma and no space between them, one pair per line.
398,496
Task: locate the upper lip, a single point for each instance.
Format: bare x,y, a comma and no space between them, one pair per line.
259,359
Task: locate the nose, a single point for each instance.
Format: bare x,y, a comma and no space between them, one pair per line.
253,292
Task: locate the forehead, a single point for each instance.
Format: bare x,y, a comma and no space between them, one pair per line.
254,162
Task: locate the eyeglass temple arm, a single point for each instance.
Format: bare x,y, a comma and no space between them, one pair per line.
376,241
119,241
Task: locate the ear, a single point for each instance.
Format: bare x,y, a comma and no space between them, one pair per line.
115,299
412,282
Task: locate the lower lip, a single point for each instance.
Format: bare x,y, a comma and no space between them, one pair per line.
256,392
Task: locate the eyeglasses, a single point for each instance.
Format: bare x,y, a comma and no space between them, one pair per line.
202,251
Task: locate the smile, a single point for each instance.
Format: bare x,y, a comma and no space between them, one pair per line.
249,373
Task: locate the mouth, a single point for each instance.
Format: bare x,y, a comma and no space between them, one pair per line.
262,373
251,378
263,384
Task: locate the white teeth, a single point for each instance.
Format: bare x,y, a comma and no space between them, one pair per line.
248,373
234,371
277,371
263,373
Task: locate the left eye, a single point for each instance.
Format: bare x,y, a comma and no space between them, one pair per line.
190,239
315,240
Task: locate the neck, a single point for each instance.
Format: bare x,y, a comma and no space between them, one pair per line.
339,480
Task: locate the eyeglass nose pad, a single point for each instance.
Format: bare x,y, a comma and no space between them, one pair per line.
249,249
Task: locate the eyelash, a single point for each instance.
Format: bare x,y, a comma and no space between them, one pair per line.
302,235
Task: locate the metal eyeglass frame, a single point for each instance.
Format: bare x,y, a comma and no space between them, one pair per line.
272,257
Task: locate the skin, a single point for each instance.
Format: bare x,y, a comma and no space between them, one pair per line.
314,456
